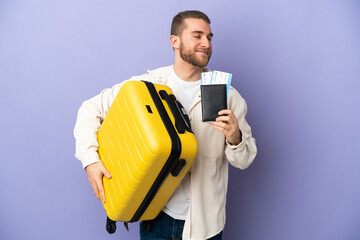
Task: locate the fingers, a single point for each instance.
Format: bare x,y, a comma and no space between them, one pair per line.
227,124
225,112
95,189
101,191
95,173
106,173
221,126
226,120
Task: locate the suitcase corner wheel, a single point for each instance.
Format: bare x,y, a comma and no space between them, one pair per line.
110,226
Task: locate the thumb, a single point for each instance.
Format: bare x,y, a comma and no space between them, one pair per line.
106,173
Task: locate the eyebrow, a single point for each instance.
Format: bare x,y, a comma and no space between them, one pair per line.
201,32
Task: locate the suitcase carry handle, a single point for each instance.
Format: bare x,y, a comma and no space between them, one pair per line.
182,121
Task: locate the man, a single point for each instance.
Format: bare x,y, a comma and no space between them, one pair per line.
197,208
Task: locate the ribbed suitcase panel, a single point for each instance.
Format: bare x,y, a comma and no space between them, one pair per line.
135,153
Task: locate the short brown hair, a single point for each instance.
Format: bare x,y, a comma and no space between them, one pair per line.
177,25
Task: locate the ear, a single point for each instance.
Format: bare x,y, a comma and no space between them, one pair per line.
175,41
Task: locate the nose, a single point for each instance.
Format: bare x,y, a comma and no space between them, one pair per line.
205,42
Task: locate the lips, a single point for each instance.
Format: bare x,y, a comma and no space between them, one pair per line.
203,51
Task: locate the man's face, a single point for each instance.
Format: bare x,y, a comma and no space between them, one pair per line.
195,42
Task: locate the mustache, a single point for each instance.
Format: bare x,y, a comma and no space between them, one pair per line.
207,50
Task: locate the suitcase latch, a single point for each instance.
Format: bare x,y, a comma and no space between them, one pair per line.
178,167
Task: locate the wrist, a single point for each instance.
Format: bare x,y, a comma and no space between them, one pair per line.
236,140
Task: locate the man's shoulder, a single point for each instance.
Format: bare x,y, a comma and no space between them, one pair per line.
154,75
234,95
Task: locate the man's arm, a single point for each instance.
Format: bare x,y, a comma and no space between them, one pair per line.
90,116
240,145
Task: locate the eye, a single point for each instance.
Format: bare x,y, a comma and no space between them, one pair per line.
197,36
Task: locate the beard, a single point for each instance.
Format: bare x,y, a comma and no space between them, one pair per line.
191,57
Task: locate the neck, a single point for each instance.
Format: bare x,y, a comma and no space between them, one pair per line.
187,71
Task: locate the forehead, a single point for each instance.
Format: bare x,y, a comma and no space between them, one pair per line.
196,25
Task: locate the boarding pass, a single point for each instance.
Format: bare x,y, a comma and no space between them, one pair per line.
216,77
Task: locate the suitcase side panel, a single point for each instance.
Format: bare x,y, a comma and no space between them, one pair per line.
189,152
175,148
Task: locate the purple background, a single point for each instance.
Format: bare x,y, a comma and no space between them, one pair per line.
297,63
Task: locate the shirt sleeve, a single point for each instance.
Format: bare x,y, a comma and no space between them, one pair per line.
90,116
243,154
